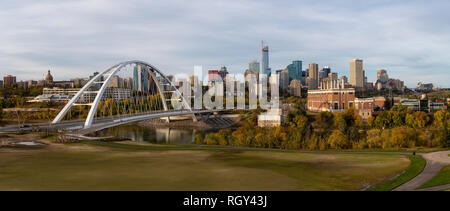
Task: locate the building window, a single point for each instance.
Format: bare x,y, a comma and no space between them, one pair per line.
336,106
350,104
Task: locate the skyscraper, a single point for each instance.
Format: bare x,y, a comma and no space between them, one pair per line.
313,81
382,76
326,70
265,60
223,73
254,65
356,73
284,79
141,78
295,70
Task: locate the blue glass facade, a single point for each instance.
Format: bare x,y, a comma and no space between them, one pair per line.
140,78
295,70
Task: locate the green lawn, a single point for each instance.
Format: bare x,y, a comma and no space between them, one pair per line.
441,178
131,169
415,168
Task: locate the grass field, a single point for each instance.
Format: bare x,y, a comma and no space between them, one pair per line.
442,178
87,167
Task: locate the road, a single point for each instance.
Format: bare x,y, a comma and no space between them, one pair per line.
435,162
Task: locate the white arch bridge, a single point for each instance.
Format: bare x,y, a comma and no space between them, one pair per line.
127,92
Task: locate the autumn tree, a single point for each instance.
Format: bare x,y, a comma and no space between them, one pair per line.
199,138
441,120
338,140
324,121
383,120
418,119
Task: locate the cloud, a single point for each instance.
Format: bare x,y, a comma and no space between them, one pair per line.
75,38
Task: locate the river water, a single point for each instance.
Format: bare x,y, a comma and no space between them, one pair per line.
156,135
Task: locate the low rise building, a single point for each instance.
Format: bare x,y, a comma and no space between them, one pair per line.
272,118
60,91
365,107
380,102
50,98
89,96
436,106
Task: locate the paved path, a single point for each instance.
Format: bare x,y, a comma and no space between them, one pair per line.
435,162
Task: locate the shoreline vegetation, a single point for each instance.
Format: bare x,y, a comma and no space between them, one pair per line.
393,129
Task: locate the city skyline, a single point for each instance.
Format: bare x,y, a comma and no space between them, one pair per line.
75,39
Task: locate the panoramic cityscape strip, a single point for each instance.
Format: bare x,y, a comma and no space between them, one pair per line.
168,96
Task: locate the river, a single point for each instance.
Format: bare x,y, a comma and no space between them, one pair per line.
155,135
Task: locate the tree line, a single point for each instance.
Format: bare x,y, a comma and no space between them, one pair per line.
396,128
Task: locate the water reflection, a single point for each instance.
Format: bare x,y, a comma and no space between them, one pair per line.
159,135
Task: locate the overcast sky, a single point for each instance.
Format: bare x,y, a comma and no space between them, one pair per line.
408,38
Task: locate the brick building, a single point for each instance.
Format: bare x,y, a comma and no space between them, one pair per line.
334,100
338,100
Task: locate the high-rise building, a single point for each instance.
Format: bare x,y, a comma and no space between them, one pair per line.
141,78
254,65
223,73
9,80
313,81
116,82
326,70
382,76
295,70
265,60
128,83
295,88
284,79
356,73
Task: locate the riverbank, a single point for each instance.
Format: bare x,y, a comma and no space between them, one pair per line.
209,123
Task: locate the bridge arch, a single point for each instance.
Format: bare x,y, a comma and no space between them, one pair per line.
99,83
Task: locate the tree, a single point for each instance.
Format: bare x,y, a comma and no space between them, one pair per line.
211,139
303,126
374,139
224,136
398,118
383,120
338,140
370,121
324,120
1,113
441,119
199,138
340,123
400,108
418,119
